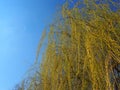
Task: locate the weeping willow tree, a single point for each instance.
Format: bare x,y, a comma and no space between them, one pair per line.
83,48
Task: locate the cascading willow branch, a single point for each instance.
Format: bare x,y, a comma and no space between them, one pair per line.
83,51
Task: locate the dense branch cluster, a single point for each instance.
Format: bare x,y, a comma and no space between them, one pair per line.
83,49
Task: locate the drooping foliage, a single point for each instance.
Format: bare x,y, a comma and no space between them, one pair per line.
83,48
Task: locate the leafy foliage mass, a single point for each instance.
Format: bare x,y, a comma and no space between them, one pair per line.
83,48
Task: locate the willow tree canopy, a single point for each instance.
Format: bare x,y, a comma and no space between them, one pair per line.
83,48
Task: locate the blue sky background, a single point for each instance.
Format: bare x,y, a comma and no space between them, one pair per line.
21,25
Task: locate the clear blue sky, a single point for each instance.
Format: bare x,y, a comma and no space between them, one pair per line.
21,25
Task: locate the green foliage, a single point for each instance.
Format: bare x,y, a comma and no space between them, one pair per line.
83,50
